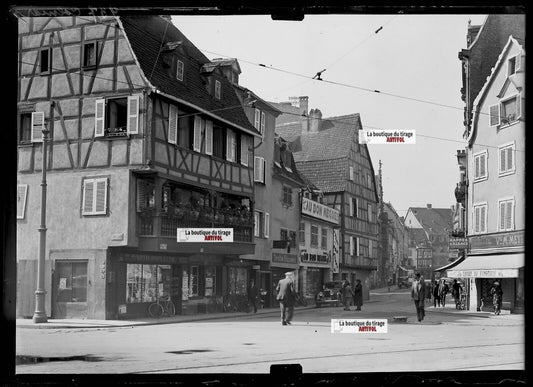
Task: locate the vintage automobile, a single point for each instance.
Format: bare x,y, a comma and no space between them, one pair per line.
330,294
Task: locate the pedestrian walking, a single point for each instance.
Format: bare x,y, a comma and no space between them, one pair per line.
497,294
456,293
347,295
418,293
429,291
436,296
285,296
358,294
443,291
253,295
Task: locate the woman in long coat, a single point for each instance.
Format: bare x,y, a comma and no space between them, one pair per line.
497,294
358,294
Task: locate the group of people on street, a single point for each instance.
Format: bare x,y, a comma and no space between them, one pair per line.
352,296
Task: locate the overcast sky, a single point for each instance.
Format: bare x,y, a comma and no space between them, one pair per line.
413,56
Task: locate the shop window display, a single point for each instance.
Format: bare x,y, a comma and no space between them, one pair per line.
146,283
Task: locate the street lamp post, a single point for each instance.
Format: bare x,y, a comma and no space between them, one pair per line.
39,315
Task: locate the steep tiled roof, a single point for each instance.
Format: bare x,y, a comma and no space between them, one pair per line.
328,175
418,235
439,219
146,35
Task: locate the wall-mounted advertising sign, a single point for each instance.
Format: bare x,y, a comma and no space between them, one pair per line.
205,235
320,211
458,243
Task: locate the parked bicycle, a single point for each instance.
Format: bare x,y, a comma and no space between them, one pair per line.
162,307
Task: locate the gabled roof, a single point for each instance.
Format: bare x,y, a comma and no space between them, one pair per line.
333,139
147,35
490,79
439,219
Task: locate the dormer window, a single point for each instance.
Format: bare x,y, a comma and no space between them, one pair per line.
218,89
180,68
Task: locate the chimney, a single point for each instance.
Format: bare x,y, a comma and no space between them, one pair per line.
429,205
315,116
304,105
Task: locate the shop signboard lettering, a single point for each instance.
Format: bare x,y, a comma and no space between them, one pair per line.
205,235
458,243
320,211
284,258
509,239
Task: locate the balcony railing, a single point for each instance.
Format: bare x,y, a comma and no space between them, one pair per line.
170,221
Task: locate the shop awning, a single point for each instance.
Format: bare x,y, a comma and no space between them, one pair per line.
451,264
489,266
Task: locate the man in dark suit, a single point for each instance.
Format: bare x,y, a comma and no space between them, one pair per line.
285,290
418,294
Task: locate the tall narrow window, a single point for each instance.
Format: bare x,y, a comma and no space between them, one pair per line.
480,218
324,239
208,137
266,228
302,232
259,169
172,124
46,60
257,119
480,165
89,54
314,235
351,173
25,132
22,190
263,123
231,145
244,150
198,129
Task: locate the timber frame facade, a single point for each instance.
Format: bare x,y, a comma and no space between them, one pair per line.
143,141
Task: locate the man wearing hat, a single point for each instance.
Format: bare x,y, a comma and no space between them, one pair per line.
418,294
285,297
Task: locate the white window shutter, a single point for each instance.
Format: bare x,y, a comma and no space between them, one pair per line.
502,216
22,191
263,163
257,119
257,224
356,207
476,219
230,145
351,173
483,213
509,215
256,168
263,122
510,158
37,126
476,161
133,114
88,197
482,165
494,113
208,137
502,159
99,118
100,201
370,248
244,150
267,224
351,207
172,124
351,245
357,246
370,212
197,140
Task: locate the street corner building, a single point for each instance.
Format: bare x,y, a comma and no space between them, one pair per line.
147,136
328,154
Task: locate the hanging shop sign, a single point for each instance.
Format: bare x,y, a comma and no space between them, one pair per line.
320,211
205,235
458,243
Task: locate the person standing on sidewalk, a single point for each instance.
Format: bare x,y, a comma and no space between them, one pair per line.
456,293
253,294
358,294
497,294
347,294
285,290
436,296
443,290
418,294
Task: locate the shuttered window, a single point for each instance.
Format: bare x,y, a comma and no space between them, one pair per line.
22,191
99,118
37,126
257,119
494,112
351,173
179,70
259,169
506,159
208,137
172,124
263,123
506,215
244,150
510,110
197,140
95,196
357,247
351,206
257,224
133,114
267,225
480,166
231,145
480,218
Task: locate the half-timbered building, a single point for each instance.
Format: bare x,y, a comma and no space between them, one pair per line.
146,137
328,153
